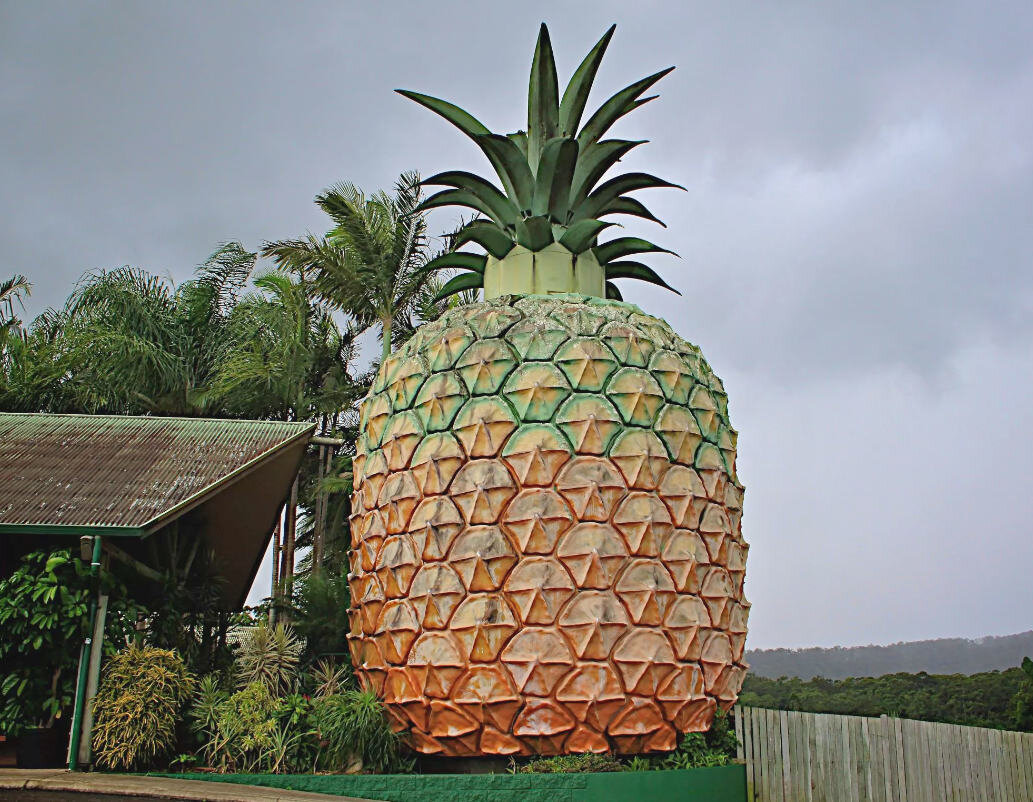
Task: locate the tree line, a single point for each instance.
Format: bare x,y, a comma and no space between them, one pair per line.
998,699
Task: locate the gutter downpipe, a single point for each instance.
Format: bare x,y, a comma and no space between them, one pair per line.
84,659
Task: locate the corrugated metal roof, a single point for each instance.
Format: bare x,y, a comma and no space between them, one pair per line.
62,472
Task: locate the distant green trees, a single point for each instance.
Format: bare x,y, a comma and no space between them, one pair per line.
999,699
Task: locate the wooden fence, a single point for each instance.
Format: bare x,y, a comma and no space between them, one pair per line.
817,757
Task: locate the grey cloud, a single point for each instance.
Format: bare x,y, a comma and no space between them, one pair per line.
856,234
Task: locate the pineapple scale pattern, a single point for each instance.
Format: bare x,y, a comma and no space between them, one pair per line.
547,554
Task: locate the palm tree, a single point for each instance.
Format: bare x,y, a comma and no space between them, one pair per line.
12,290
369,264
285,357
136,343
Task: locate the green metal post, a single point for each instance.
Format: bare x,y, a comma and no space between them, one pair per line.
84,660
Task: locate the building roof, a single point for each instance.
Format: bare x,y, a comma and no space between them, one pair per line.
76,474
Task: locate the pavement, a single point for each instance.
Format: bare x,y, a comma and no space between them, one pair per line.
44,784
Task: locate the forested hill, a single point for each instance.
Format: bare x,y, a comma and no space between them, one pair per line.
942,656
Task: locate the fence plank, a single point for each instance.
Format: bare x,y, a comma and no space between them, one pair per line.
889,769
995,765
942,741
745,714
758,750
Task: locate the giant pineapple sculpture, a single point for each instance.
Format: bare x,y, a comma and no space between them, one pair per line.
547,554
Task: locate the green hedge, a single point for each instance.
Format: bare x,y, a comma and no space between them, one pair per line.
720,784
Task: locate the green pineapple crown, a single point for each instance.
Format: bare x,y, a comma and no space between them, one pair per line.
551,175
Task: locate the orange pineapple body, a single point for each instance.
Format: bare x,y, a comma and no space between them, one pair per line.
547,555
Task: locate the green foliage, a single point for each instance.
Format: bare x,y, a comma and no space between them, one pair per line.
253,730
550,175
137,707
369,264
695,750
320,612
268,656
354,724
246,731
204,709
701,750
569,764
329,678
1024,698
987,699
43,615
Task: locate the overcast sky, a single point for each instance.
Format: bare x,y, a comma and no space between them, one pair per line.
856,238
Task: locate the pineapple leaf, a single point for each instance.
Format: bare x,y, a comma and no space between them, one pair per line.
580,236
636,270
612,292
520,138
502,207
459,197
625,246
552,184
629,206
512,167
614,188
518,186
593,164
460,260
615,108
460,283
575,96
543,105
534,233
462,120
486,234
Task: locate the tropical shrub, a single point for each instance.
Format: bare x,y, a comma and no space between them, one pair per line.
329,678
270,656
137,706
353,724
43,615
203,712
320,611
243,729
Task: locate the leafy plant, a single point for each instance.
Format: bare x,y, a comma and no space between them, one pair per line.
695,750
43,615
569,764
320,612
243,730
329,678
204,711
353,724
137,706
270,656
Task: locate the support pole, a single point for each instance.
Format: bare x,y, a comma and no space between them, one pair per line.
93,681
74,736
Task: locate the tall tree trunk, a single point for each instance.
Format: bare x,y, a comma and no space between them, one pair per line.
385,333
320,514
275,592
290,526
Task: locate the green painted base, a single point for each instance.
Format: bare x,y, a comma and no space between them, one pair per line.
721,784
